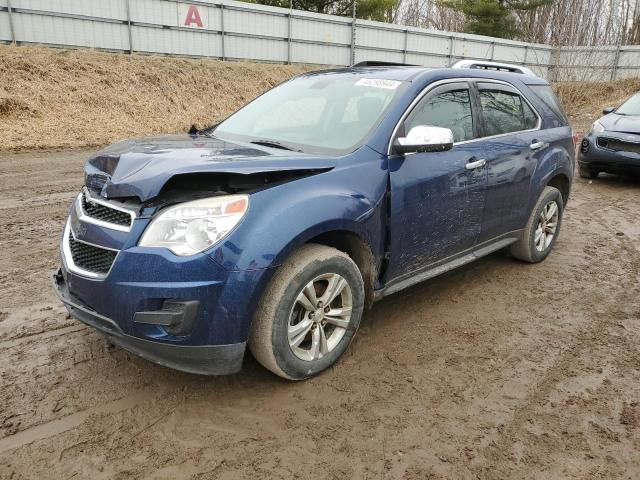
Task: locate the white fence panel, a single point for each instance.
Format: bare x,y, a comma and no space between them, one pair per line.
5,27
371,34
112,9
304,28
255,48
154,12
363,54
176,42
255,23
320,54
69,31
420,45
235,30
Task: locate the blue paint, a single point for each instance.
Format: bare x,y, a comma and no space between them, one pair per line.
411,210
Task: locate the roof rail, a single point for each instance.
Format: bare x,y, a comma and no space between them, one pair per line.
381,63
500,67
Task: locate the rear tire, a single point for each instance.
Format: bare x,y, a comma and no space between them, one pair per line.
586,172
542,229
309,313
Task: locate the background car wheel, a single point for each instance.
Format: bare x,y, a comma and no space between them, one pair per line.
543,228
309,313
586,172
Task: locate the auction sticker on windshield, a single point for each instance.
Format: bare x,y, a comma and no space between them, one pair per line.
378,83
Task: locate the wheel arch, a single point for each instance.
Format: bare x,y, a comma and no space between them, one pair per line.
360,252
561,182
352,241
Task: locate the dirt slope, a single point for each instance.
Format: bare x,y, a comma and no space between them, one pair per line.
52,98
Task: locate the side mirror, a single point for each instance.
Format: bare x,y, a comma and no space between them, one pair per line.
608,110
425,139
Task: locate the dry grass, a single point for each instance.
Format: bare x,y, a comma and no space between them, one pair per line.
51,99
584,101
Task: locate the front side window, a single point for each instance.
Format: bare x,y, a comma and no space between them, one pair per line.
451,109
327,113
505,112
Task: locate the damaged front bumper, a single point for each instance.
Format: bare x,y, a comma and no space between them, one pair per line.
198,359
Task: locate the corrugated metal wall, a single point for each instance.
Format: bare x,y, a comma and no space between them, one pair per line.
243,31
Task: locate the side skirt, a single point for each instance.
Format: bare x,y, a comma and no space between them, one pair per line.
449,263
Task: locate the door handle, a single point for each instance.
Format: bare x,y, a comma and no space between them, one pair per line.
476,164
538,145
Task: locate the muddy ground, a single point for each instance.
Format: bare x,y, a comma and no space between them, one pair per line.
496,370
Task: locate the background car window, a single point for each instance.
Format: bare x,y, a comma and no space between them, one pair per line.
450,109
630,107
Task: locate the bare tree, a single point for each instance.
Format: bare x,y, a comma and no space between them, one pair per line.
563,22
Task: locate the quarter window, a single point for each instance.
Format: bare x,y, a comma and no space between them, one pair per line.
505,112
451,109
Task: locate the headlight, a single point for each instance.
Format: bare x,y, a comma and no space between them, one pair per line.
191,227
597,127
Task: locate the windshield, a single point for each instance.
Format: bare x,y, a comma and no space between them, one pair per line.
630,107
324,113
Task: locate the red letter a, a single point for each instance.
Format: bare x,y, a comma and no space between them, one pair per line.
193,16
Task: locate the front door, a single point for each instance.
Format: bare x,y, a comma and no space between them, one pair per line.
437,198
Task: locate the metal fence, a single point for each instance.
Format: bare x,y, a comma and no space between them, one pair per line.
232,30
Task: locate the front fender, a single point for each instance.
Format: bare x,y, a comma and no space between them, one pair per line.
283,217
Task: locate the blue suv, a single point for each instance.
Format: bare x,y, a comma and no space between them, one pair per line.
278,227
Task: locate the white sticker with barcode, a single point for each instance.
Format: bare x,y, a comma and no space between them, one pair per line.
378,83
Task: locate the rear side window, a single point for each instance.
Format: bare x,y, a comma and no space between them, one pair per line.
545,93
505,112
450,109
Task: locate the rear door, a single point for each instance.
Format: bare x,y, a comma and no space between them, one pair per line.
511,128
437,198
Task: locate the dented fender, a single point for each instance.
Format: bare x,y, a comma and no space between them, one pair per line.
348,198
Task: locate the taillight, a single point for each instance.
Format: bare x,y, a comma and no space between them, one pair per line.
574,135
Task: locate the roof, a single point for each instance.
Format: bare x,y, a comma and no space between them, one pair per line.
408,73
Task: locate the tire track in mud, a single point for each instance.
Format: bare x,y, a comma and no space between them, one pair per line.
595,334
69,422
40,336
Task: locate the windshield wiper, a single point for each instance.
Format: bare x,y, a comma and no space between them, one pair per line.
206,131
274,144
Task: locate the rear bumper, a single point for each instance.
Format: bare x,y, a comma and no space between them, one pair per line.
198,359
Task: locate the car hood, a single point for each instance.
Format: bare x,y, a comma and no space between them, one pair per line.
141,167
621,123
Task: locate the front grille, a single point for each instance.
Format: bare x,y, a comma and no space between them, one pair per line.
90,258
618,145
104,213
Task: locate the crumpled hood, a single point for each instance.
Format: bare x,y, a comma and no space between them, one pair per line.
141,167
621,123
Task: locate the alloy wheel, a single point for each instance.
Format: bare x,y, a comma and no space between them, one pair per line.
547,226
320,316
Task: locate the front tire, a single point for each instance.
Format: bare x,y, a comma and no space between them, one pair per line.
586,172
542,229
309,313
